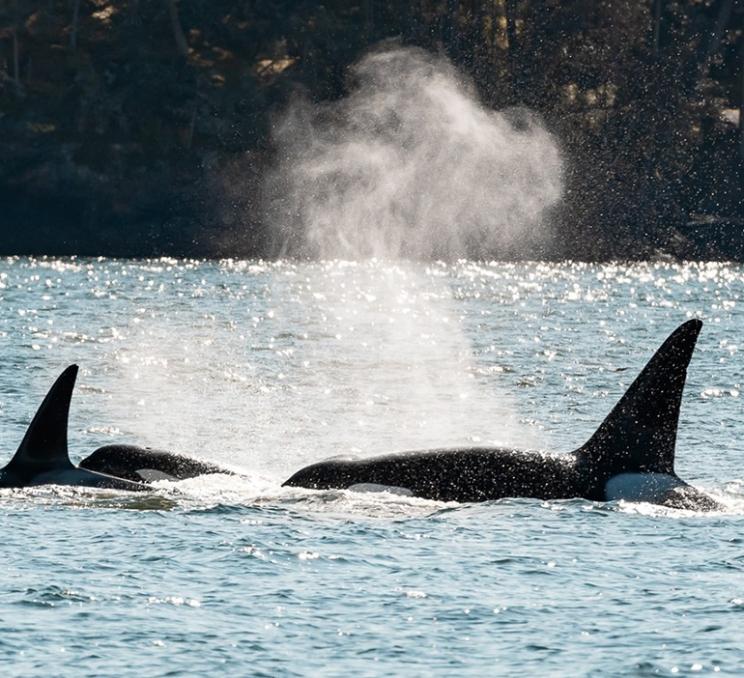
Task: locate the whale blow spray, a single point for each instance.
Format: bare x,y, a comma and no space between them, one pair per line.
411,164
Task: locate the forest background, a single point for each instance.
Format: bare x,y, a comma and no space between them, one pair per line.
143,127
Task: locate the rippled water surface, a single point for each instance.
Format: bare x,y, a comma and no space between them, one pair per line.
264,367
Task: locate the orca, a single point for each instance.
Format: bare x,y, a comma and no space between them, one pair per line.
144,464
43,458
630,456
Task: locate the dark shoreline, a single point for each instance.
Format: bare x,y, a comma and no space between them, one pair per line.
729,249
141,131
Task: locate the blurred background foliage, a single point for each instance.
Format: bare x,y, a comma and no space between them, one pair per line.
142,127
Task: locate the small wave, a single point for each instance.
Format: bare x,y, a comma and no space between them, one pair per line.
226,493
84,497
52,595
731,504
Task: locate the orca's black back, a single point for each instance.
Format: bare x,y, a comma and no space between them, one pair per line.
464,475
126,461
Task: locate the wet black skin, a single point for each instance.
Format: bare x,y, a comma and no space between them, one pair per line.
127,461
42,457
637,437
464,475
482,474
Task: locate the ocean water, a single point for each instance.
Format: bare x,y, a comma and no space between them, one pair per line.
264,367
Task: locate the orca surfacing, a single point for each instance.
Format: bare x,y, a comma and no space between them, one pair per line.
43,458
144,464
630,456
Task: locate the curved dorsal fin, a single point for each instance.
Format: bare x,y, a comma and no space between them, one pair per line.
44,447
641,431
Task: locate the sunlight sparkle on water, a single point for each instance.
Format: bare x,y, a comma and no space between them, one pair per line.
266,366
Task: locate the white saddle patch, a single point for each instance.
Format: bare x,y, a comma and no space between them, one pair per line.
648,487
150,475
373,487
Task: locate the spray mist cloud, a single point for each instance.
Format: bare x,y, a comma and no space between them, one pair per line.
411,164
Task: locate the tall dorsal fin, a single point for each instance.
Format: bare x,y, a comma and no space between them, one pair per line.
640,433
44,447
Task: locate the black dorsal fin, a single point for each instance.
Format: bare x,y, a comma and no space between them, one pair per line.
44,447
640,433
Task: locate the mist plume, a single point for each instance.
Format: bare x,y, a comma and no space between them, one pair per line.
410,164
